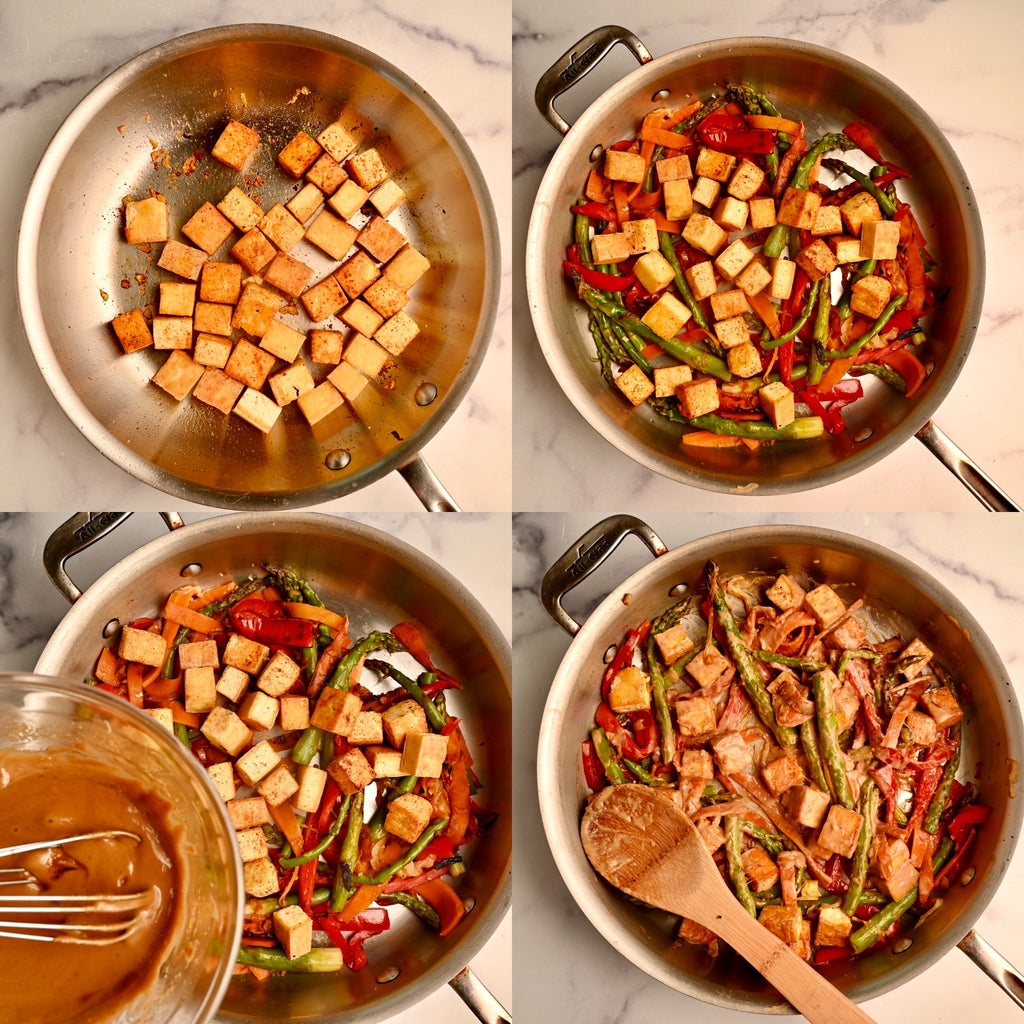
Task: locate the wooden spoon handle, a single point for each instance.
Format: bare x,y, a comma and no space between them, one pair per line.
816,998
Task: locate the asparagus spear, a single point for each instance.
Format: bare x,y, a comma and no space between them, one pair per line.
828,731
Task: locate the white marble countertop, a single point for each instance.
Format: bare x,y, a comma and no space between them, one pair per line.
566,971
31,609
959,61
52,57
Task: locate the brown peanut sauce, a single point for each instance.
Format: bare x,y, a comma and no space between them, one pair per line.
59,793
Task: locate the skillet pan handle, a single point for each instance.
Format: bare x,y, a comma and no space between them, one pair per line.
427,487
1004,974
478,999
75,535
585,556
965,470
576,62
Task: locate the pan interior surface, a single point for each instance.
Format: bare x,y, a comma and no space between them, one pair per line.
151,126
827,91
993,748
378,582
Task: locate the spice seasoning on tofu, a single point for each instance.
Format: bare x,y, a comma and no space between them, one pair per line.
349,783
723,242
327,256
814,747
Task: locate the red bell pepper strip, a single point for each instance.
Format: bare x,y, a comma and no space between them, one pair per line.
860,135
732,134
596,211
636,745
624,655
251,620
593,774
598,278
838,397
960,826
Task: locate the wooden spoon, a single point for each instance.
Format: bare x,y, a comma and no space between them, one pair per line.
642,843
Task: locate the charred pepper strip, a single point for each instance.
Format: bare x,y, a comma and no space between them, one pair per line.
747,667
828,732
862,855
737,873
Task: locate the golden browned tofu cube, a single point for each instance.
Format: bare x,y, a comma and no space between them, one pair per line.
732,332
365,355
728,304
252,844
257,410
778,402
208,228
362,317
845,248
701,279
668,378
172,332
257,762
423,754
620,165
323,299
744,360
783,276
698,397
635,385
222,775
177,298
397,332
290,383
731,213
282,341
142,646
249,364
294,712
806,805
145,220
357,273
408,815
760,869
673,643
213,318
326,346
336,140
242,210
841,830
284,230
745,180
287,274
132,330
200,688
232,684
331,234
870,295
253,250
235,144
653,271
673,168
706,191
824,604
312,781
762,212
715,165
782,773
828,221
610,247
305,202
380,239
695,716
704,234
753,278
220,282
181,259
260,878
784,922
336,711
348,380
320,402
367,168
630,690
786,593
247,655
348,200
280,675
858,210
278,787
641,236
387,197
327,175
178,375
879,240
385,761
300,153
367,729
351,771
294,930
667,316
386,297
696,764
217,389
707,665
942,706
256,310
799,208
226,731
248,812
834,927
817,260
733,258
402,719
258,710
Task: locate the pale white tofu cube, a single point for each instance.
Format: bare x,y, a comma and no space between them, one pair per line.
232,684
226,731
222,775
162,716
312,781
294,930
252,844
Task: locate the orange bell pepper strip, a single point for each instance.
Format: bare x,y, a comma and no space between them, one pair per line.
107,667
207,597
362,899
288,823
179,714
836,370
761,304
196,621
709,439
301,610
680,114
159,688
445,900
620,199
458,802
134,679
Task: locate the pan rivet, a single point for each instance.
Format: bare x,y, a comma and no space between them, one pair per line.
862,435
610,653
968,876
902,945
679,589
661,94
389,974
192,569
469,903
426,393
596,153
111,628
338,459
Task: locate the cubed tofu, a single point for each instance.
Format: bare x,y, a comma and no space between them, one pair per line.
858,210
705,192
351,771
848,635
367,729
762,212
701,279
786,593
232,684
733,258
695,716
712,164
178,375
698,397
824,604
348,380
247,655
235,144
217,389
336,710
226,731
306,201
387,197
208,228
667,316
283,341
870,295
323,300
278,787
635,385
332,234
294,930
385,297
401,720
357,273
337,141
406,267
653,271
172,332
668,378
745,180
220,282
753,278
279,675
281,227
397,333
145,220
744,360
290,383
162,716
253,250
806,805
760,869
900,882
380,239
732,332
367,168
248,812
731,213
249,364
678,197
365,355
879,240
696,764
200,689
840,831
922,729
326,175
142,646
914,658
786,923
423,754
184,260
252,844
799,208
256,309
782,773
385,761
778,403
942,706
845,248
816,260
242,210
703,233
299,154
293,712
260,878
177,298
620,165
630,690
312,781
783,276
790,699
673,643
213,318
729,303
325,346
348,200
320,402
732,753
827,221
641,236
408,815
288,275
834,927
673,168
258,761
610,247
132,330
222,775
362,317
